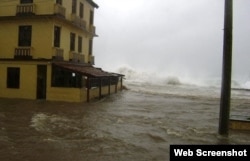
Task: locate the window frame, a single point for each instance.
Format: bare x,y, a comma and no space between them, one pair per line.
13,77
57,36
91,18
26,1
81,10
80,44
25,35
90,46
59,2
74,6
72,41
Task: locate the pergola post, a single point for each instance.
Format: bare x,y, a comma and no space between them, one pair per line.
109,84
88,87
121,84
100,88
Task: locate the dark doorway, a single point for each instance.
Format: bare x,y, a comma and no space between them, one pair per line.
41,81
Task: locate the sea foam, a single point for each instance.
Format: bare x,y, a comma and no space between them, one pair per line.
155,77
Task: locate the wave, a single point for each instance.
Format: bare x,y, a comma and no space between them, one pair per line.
133,75
142,76
158,83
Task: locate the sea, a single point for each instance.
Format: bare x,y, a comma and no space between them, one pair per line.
138,123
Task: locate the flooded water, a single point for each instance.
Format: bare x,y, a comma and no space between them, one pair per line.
136,124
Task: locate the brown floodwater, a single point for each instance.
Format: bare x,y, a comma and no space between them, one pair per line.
130,125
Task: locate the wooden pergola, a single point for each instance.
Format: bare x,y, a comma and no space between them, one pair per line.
96,77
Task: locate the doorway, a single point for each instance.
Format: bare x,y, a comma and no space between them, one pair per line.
41,81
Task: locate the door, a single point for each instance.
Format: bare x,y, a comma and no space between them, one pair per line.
41,81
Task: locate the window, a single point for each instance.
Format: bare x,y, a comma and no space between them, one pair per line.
79,44
74,6
90,46
24,36
81,10
57,35
65,78
13,77
72,41
91,20
26,1
59,2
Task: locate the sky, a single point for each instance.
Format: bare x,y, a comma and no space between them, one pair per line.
174,37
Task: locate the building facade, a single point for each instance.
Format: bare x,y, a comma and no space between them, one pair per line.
46,51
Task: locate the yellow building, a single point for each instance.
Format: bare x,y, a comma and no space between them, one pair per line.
46,51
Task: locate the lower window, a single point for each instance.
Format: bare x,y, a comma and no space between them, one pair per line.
13,77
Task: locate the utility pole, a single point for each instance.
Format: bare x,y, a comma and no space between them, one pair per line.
227,69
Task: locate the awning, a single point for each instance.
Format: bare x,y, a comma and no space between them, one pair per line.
86,70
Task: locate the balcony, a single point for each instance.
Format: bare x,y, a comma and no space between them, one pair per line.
81,58
76,57
91,60
25,9
59,10
58,54
78,21
92,29
73,56
23,53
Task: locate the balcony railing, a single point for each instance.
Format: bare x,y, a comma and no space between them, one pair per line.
83,24
59,10
91,59
25,9
23,53
76,57
73,56
58,54
78,21
92,29
81,58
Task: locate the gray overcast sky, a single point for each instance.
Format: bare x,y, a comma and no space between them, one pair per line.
180,37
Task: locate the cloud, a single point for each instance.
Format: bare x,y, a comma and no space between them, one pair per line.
186,36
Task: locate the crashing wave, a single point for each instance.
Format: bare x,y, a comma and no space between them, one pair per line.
173,81
145,77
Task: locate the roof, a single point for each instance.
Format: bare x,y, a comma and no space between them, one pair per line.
93,3
85,69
